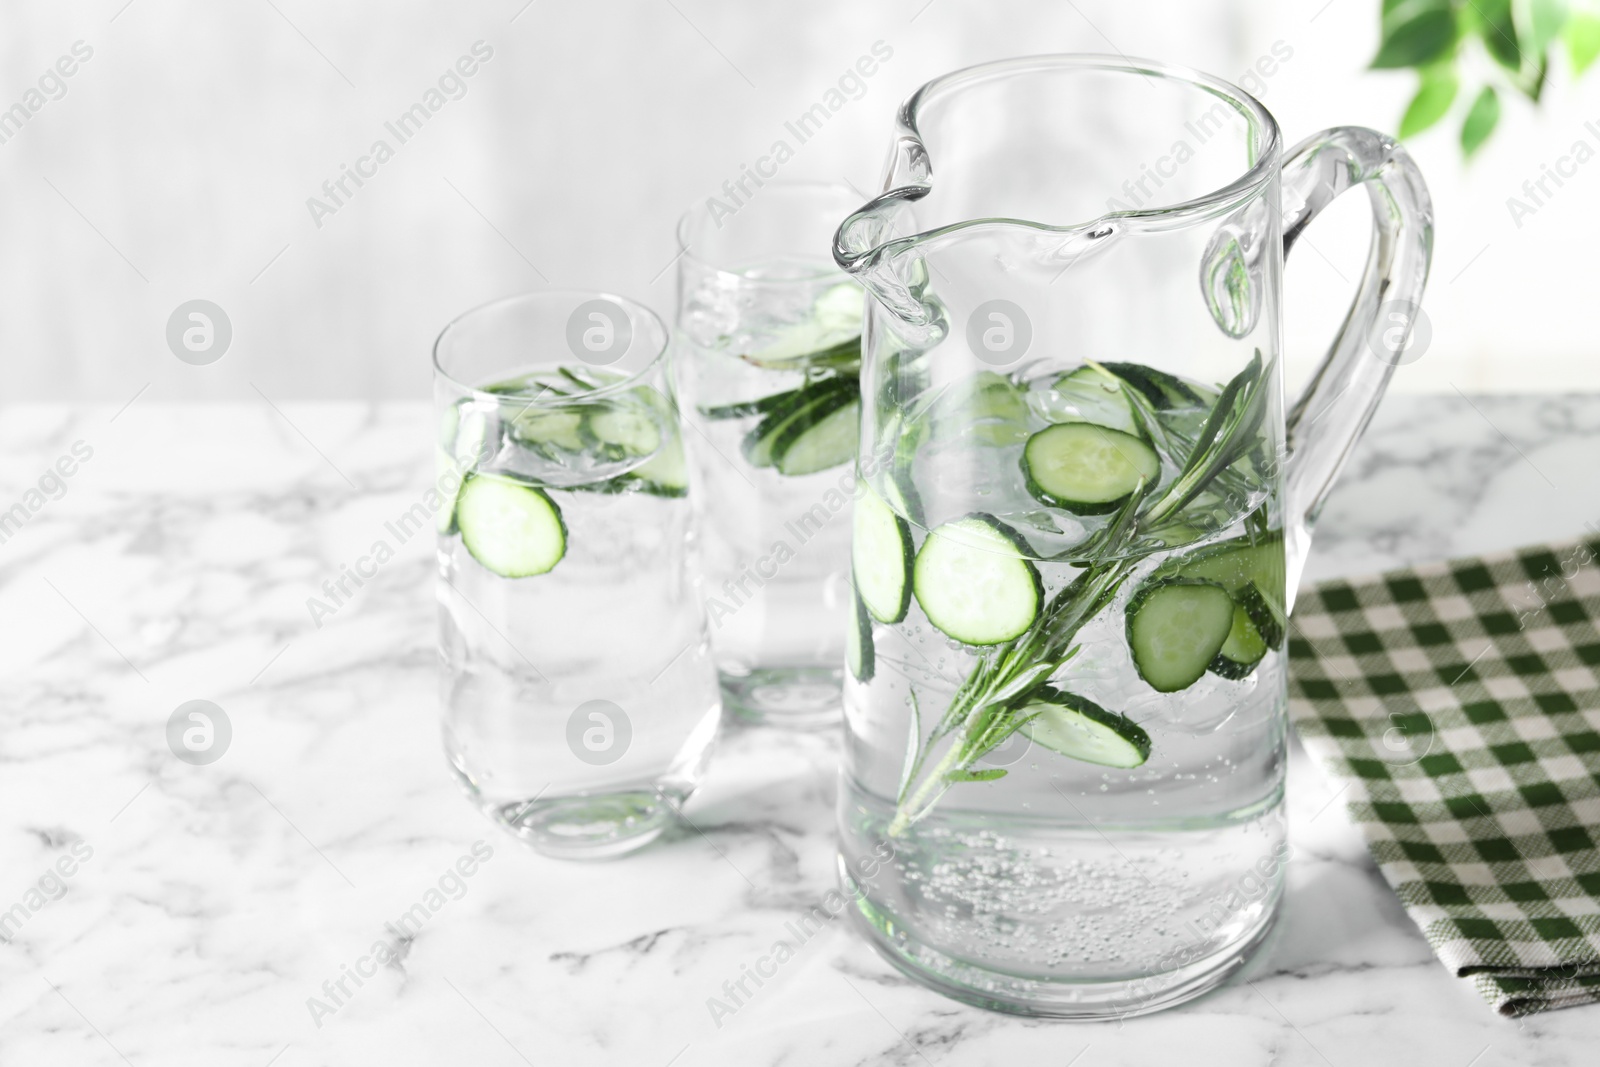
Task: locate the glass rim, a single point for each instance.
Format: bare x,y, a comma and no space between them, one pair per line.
1199,208
553,400
824,270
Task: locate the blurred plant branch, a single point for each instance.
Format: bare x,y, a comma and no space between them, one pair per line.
1433,37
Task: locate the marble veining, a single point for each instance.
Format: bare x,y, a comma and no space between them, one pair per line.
214,902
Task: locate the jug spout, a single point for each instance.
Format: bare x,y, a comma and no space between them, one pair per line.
873,248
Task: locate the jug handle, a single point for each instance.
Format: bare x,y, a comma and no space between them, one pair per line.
1328,419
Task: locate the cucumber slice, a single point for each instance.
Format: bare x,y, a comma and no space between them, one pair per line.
840,308
900,493
825,437
840,355
1090,394
1081,729
904,437
830,334
1243,649
464,431
630,431
559,428
881,557
1163,390
444,520
1087,469
757,444
1264,614
1176,627
1237,563
513,529
664,474
1253,572
987,406
975,582
805,406
860,654
449,423
984,395
747,408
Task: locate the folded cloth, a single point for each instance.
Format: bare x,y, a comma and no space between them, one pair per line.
1459,707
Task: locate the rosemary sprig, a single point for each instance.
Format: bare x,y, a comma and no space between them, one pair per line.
987,708
989,705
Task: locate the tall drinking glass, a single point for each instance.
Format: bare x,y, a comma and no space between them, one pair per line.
1086,513
580,698
768,371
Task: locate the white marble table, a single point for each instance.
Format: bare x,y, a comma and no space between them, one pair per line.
215,900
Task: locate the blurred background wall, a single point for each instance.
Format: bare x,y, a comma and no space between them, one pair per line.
177,160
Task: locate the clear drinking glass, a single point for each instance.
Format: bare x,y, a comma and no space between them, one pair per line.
580,697
768,371
1086,512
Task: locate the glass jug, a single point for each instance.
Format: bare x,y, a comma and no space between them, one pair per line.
1083,512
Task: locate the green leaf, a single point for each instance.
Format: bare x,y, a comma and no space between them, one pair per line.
1582,35
987,775
1497,27
1532,84
1415,33
1480,121
1544,21
1434,97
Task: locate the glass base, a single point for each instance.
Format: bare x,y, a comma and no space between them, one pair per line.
803,698
1078,999
593,827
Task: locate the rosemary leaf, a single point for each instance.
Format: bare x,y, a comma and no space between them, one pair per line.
914,751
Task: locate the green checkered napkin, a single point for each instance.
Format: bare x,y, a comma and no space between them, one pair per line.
1458,704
